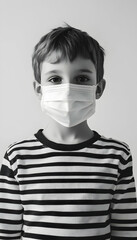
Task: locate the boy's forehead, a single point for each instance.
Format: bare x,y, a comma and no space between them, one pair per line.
77,64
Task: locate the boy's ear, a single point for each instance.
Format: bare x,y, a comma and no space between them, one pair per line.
100,88
37,89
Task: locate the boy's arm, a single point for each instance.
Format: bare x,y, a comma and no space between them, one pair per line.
11,210
124,205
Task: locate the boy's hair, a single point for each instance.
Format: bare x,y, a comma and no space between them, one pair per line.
67,42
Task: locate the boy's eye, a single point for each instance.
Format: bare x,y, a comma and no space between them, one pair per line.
82,79
55,80
78,80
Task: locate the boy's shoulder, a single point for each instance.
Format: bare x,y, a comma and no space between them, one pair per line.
114,141
27,142
112,145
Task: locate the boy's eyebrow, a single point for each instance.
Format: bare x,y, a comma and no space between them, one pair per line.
53,71
85,70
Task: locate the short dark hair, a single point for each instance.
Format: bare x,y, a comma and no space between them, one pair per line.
69,42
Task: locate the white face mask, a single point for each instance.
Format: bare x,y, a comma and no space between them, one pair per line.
69,104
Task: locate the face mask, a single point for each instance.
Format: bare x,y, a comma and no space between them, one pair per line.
69,104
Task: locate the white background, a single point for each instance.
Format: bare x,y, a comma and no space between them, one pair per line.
112,22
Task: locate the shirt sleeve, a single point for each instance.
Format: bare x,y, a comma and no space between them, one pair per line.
124,204
11,210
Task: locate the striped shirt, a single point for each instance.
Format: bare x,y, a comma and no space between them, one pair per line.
55,191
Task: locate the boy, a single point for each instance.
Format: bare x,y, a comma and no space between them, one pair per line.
67,181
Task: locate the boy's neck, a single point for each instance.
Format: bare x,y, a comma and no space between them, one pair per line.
67,135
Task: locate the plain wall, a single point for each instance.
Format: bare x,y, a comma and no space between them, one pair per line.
112,22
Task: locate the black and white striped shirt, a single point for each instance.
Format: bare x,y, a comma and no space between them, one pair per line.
54,191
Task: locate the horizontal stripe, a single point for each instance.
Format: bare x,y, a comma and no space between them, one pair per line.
67,226
13,222
127,221
67,214
81,190
66,202
68,180
66,174
126,228
9,182
123,238
125,200
124,211
109,147
5,200
10,211
50,237
9,191
71,154
68,164
25,148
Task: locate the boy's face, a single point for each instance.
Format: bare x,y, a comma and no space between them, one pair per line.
79,71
